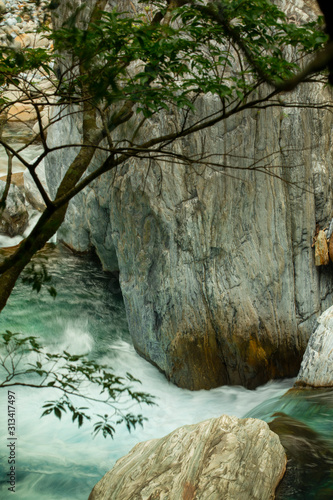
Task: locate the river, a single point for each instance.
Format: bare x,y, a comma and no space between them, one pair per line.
56,460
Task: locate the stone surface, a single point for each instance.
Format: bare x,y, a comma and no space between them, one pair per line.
330,249
222,458
216,266
32,194
321,250
317,365
15,217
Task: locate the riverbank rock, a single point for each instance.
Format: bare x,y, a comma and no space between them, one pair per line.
317,365
14,219
217,268
223,458
321,250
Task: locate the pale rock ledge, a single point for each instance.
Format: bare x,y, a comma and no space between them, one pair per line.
317,365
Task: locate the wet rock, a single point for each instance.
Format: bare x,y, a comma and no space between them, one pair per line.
223,458
310,460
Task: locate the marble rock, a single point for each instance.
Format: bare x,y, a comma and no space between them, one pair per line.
222,458
15,217
217,268
317,365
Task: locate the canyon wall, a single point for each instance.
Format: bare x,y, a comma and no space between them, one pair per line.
216,265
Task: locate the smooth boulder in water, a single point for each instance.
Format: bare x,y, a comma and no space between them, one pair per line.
223,457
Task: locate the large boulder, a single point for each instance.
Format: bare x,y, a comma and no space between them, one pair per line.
223,458
317,365
217,268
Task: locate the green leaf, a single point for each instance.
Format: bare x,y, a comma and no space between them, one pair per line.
57,412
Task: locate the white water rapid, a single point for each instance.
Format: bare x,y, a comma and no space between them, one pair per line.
56,460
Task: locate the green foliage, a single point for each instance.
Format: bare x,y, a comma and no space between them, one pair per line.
118,64
14,62
224,47
227,48
36,275
75,376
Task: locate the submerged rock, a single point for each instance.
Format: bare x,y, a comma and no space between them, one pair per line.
310,460
317,365
303,420
223,458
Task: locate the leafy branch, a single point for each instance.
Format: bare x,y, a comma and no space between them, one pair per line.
36,275
23,358
119,69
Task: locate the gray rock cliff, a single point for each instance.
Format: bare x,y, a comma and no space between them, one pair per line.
216,266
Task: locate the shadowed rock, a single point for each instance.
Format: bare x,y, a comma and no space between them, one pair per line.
310,460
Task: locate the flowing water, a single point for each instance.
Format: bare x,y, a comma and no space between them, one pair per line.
58,461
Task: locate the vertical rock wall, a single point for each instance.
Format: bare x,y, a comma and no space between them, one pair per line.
217,269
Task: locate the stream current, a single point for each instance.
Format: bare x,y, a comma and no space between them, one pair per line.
58,461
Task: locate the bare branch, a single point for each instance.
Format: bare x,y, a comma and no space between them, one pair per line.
8,181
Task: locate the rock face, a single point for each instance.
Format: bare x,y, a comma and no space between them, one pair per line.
225,458
216,266
317,365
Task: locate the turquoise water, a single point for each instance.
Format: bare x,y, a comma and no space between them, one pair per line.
303,419
57,461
